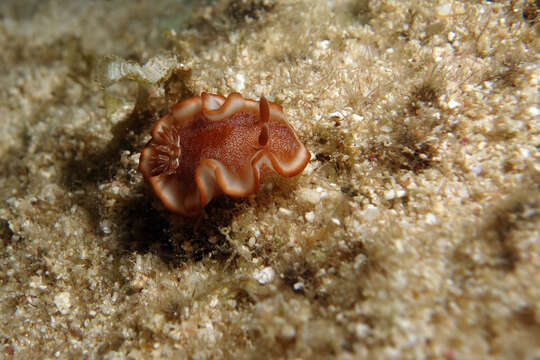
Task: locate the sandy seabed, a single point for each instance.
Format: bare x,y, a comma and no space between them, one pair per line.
413,233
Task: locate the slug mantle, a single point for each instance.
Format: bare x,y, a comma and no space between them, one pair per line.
210,145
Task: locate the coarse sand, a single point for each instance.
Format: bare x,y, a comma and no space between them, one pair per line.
413,233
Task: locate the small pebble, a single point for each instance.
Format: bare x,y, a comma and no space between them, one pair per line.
286,212
533,111
298,286
452,104
444,10
335,115
310,216
357,117
63,302
265,275
389,194
476,170
431,219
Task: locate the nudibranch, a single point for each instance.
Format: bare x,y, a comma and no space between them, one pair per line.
209,145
